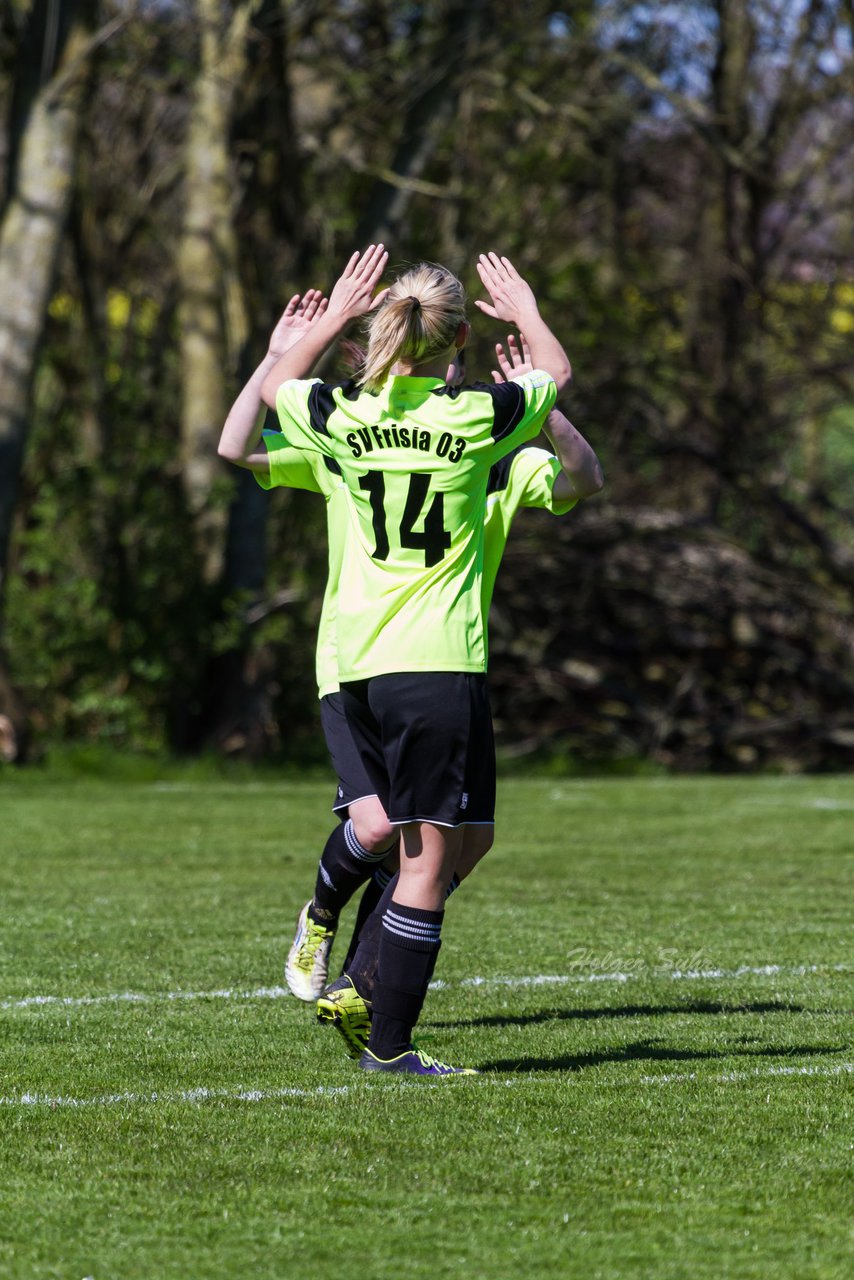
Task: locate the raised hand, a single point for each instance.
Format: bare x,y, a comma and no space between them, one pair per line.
353,293
512,297
298,317
240,441
515,361
351,297
513,301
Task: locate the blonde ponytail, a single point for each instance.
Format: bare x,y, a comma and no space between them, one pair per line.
418,320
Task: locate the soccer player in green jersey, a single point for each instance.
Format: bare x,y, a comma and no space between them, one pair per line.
415,457
528,477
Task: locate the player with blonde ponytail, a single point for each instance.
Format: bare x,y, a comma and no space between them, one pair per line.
414,453
422,314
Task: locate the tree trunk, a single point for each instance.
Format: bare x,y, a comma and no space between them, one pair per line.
233,714
239,716
212,314
50,94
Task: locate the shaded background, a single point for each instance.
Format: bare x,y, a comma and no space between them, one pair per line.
675,179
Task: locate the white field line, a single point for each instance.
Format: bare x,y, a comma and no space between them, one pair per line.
725,1077
672,975
533,980
138,997
184,1095
194,1097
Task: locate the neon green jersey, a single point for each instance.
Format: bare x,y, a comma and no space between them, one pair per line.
291,469
415,459
525,478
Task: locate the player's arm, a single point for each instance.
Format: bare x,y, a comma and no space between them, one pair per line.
352,296
580,475
512,300
580,470
241,439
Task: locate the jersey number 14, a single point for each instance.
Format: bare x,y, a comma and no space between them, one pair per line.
433,539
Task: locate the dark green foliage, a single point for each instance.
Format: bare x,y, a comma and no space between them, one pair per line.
685,228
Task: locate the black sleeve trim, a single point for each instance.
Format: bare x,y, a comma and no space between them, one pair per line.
499,472
321,406
508,402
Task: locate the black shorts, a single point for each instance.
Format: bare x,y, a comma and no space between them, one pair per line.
353,782
425,739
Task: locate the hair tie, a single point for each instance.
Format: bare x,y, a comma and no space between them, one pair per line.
416,303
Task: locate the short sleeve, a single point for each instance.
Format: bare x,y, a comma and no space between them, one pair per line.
519,409
289,467
297,410
534,473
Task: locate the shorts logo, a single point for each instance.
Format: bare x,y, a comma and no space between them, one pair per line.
340,793
465,800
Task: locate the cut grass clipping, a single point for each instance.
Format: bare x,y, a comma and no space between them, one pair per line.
653,977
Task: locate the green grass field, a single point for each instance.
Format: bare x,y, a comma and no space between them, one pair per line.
654,977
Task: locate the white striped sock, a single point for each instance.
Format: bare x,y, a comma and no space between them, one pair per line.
357,849
413,930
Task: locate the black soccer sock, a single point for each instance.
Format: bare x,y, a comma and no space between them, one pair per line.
344,865
409,945
362,969
368,902
361,966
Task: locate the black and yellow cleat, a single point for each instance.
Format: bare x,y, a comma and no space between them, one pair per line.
348,1012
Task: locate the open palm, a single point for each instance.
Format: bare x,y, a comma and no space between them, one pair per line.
296,319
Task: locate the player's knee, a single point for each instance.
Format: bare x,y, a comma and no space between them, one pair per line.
485,841
374,833
478,844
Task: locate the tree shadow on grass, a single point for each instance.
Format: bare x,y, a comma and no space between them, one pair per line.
625,1011
649,1051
